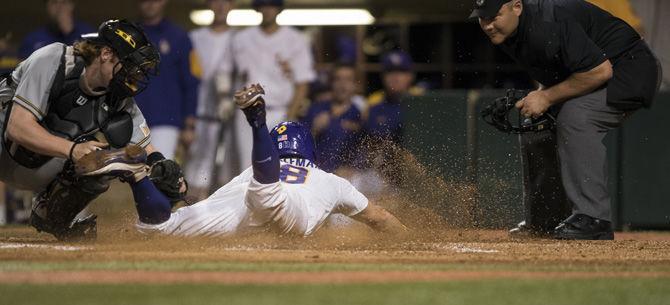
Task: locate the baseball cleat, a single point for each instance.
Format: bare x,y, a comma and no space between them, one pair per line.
250,100
584,227
249,96
126,162
79,230
523,230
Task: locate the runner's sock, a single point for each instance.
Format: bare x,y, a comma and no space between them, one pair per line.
265,159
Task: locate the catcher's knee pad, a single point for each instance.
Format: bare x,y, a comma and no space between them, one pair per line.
54,210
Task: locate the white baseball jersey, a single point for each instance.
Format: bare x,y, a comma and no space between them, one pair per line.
214,50
299,204
258,56
215,54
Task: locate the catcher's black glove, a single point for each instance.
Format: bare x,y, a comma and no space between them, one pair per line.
167,176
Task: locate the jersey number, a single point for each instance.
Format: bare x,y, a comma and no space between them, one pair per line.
293,174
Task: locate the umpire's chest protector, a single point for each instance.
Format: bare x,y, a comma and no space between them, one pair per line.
74,115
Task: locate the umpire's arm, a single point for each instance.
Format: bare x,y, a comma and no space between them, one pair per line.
587,63
579,84
537,102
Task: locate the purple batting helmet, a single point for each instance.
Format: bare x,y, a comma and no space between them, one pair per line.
292,139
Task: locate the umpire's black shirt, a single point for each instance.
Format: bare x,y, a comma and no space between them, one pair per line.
556,38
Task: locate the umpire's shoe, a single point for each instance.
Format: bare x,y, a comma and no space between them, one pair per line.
250,100
580,226
128,163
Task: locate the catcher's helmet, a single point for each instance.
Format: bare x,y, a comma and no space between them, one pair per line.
137,56
293,140
258,3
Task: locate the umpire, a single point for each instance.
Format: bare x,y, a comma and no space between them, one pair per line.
64,102
594,71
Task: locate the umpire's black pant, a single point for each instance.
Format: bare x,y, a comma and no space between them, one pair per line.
565,171
575,154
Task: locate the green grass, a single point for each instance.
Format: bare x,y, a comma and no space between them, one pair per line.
224,266
499,292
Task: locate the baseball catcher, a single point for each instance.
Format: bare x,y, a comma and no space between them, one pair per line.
283,190
65,102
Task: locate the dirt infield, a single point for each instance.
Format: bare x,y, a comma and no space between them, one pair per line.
337,246
632,255
433,252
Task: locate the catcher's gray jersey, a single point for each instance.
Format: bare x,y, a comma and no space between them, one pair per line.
32,80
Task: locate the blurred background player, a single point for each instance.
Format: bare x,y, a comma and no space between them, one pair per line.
10,210
169,104
290,195
621,9
382,125
61,27
213,44
280,59
383,116
8,56
336,123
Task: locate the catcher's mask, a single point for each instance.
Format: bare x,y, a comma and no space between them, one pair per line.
292,139
138,58
498,113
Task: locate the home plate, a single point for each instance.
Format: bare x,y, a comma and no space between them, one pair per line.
461,248
40,246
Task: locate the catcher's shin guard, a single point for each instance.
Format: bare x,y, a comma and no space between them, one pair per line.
55,209
544,198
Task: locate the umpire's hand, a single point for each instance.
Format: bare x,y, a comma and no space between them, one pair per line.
534,105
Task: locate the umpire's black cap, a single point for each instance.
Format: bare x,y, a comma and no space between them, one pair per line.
487,8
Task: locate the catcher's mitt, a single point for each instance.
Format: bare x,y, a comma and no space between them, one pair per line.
167,176
497,114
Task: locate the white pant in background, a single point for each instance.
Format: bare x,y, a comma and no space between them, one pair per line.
244,135
202,154
165,138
